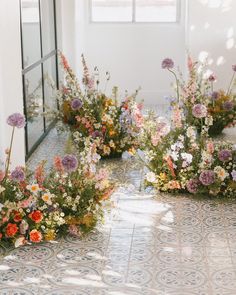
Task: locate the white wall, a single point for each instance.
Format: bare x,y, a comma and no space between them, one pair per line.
133,54
10,77
211,31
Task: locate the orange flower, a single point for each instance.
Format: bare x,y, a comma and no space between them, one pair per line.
58,164
170,166
0,236
36,216
35,236
173,184
11,229
17,216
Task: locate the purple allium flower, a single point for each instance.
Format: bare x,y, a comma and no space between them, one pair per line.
225,155
16,120
18,174
234,68
96,134
70,163
199,111
228,105
167,63
207,177
192,186
233,174
76,104
214,95
212,78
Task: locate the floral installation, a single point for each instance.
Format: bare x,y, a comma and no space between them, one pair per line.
42,206
89,113
199,100
180,160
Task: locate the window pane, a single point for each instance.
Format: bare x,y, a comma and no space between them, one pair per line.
30,31
156,10
112,10
49,69
48,28
34,105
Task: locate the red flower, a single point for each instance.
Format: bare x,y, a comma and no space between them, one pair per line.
0,236
17,216
36,216
35,236
11,229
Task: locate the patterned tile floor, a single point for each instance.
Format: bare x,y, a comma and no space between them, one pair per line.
148,245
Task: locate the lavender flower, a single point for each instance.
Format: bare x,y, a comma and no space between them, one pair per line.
214,95
167,63
225,155
199,111
233,174
18,174
70,163
76,104
228,105
192,186
96,134
207,177
16,120
212,78
234,68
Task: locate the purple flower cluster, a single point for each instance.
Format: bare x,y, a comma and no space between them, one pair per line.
76,104
192,186
233,174
234,68
228,105
16,120
167,63
225,155
214,95
96,134
207,177
18,174
70,163
199,111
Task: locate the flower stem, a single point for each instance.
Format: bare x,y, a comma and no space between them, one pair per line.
9,154
177,84
230,84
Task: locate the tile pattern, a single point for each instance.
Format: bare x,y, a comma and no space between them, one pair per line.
148,245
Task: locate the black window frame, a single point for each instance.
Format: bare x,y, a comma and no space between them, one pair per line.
27,69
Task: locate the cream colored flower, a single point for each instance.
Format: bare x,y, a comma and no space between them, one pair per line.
221,173
151,177
34,188
47,198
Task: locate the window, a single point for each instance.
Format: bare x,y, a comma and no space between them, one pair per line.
39,67
145,11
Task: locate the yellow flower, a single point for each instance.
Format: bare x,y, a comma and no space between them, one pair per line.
106,150
162,176
50,235
88,220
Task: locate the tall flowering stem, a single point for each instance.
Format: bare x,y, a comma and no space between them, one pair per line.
9,153
177,84
230,84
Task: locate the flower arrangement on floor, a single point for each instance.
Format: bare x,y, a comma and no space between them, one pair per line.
181,160
199,100
113,126
40,207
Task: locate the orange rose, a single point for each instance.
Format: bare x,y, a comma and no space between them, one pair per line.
11,229
17,216
36,216
35,236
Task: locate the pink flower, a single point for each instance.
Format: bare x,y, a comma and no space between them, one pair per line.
199,111
58,164
102,174
155,139
190,64
210,147
212,78
26,203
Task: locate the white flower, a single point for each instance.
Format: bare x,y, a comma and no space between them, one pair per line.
209,120
174,156
221,173
151,177
1,206
34,188
188,158
191,132
20,242
2,189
